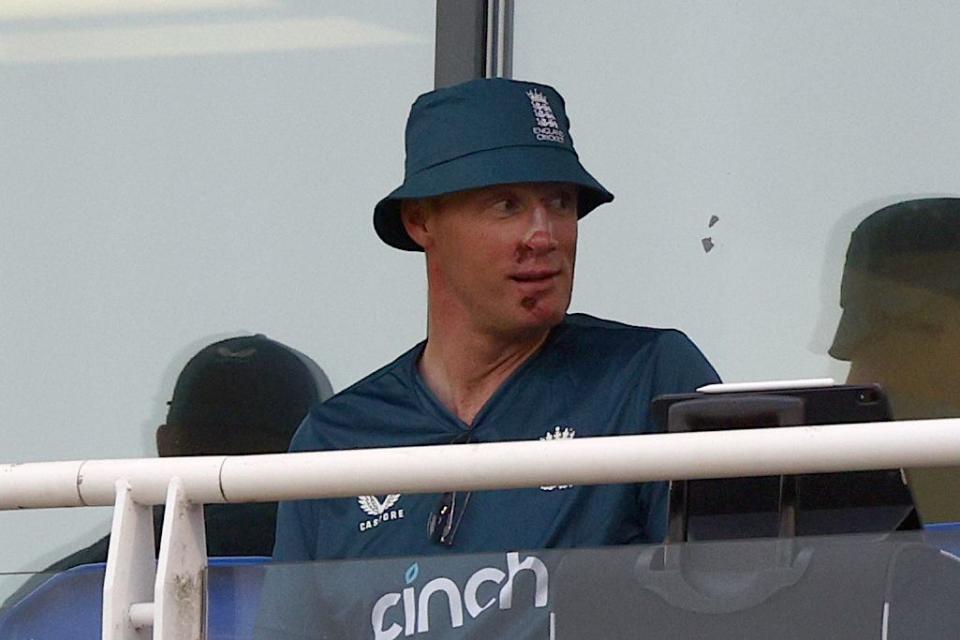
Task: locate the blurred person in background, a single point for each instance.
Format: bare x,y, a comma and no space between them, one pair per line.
900,326
242,395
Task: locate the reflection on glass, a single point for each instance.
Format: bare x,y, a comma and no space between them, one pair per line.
901,324
856,586
742,139
899,585
59,605
174,168
244,36
63,9
901,306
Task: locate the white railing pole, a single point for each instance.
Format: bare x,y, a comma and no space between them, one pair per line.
37,485
714,454
179,592
584,461
163,601
150,478
129,578
176,584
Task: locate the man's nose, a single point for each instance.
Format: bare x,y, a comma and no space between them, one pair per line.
539,236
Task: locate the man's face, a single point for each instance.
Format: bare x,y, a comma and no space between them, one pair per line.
501,258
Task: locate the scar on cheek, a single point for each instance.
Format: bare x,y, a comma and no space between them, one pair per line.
528,303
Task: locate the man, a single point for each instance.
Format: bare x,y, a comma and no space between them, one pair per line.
901,324
493,192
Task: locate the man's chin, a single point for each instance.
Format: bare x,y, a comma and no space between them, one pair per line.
538,314
529,319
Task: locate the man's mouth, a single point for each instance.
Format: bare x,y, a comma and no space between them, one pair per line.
535,276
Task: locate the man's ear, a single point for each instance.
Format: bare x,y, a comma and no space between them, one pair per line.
167,444
414,215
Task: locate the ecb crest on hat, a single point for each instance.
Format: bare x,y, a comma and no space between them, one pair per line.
547,126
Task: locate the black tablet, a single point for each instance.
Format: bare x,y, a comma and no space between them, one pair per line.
768,506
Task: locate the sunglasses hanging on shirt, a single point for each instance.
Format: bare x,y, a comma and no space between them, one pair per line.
445,520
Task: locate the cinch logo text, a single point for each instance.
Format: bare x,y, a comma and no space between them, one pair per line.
416,606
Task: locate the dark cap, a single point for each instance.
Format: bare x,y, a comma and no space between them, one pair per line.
250,383
483,133
900,258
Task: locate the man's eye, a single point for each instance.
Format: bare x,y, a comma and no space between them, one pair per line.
506,205
563,202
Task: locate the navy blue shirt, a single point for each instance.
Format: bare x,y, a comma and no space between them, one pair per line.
591,378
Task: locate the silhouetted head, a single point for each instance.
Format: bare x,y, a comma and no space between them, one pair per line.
241,395
902,273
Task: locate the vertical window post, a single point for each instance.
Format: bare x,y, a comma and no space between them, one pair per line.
474,39
499,39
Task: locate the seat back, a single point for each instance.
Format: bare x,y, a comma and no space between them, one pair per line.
70,604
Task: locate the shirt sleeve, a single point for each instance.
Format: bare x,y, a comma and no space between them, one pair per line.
681,366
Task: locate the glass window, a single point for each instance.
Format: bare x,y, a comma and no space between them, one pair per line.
744,142
178,172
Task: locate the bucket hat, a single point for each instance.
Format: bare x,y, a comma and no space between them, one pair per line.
900,261
483,133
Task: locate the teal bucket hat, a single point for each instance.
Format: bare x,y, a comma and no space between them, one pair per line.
483,133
